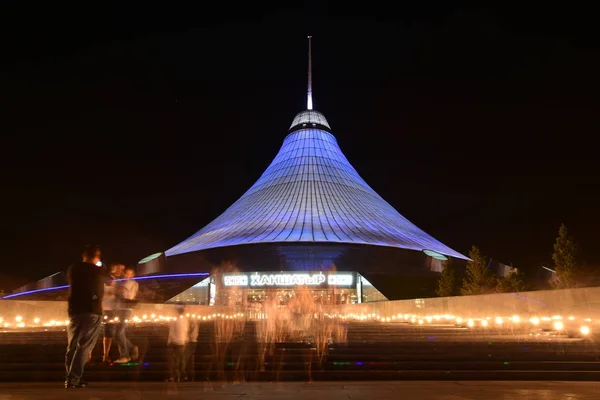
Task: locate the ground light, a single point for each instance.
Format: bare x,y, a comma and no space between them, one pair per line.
559,326
584,330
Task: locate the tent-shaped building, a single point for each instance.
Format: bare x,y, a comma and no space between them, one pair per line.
311,194
311,211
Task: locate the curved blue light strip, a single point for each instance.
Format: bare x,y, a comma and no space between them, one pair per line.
137,278
35,291
311,193
141,278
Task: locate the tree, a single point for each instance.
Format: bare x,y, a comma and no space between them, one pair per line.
480,279
448,283
513,282
565,260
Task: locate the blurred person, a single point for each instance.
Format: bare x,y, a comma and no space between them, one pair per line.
120,271
190,350
86,291
109,307
126,297
179,333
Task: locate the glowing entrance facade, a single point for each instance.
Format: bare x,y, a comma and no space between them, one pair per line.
245,290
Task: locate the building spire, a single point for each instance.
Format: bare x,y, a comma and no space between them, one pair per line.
309,102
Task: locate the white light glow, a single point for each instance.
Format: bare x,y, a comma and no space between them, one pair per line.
559,326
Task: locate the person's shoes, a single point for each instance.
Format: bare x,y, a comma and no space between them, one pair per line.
80,385
122,360
135,354
106,360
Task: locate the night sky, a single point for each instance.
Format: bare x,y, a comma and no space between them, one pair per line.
135,126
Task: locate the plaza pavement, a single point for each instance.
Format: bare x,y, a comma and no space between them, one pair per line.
414,390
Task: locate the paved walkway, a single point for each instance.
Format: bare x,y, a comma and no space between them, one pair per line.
422,390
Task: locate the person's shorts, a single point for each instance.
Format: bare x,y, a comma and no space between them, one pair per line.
109,327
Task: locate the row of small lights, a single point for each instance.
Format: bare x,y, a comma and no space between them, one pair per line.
557,320
20,321
162,318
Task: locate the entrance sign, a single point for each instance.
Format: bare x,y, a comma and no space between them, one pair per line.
259,279
286,279
235,280
340,280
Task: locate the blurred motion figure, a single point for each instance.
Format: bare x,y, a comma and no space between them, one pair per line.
179,331
127,290
86,291
109,307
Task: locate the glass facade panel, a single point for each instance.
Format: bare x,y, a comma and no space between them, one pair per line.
197,294
369,292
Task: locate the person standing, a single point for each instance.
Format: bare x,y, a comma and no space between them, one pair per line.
190,350
86,291
126,298
109,306
179,333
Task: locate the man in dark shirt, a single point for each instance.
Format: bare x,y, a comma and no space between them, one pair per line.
86,280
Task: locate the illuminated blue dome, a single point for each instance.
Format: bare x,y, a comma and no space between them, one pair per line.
311,194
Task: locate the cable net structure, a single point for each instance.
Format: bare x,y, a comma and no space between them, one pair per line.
310,193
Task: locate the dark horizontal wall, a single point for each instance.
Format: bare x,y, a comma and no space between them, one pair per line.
582,304
150,290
